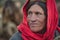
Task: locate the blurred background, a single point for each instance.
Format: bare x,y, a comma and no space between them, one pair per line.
11,16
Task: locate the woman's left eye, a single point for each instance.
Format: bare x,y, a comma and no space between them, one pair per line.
38,13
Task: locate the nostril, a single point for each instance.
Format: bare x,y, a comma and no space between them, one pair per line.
33,20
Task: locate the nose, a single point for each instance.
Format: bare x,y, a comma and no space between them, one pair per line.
33,18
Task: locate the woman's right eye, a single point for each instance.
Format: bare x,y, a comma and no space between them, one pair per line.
29,13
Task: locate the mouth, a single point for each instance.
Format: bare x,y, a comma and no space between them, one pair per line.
33,24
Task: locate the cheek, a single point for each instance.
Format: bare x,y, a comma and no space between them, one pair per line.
28,19
42,18
42,21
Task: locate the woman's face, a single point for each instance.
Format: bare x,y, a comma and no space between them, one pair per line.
36,18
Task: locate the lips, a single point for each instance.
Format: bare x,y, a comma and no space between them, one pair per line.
33,24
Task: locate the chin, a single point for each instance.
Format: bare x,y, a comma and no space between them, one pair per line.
36,29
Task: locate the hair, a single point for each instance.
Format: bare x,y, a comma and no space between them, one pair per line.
57,38
40,3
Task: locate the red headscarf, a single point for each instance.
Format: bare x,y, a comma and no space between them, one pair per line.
52,23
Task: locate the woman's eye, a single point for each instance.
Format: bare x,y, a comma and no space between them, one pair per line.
29,13
38,13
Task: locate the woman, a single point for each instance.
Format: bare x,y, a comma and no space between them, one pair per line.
39,21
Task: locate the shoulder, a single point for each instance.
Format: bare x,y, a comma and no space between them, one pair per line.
16,36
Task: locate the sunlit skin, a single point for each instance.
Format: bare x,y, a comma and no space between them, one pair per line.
36,18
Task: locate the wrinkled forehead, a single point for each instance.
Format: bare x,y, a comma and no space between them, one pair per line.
41,5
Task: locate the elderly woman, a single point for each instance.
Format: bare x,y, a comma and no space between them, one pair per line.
39,21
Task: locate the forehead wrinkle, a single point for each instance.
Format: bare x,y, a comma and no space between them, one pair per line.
34,9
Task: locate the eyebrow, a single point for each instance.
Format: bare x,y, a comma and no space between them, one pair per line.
34,11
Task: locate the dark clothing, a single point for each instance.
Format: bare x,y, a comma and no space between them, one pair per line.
59,23
17,36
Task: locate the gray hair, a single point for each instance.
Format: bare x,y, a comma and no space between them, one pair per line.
57,38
